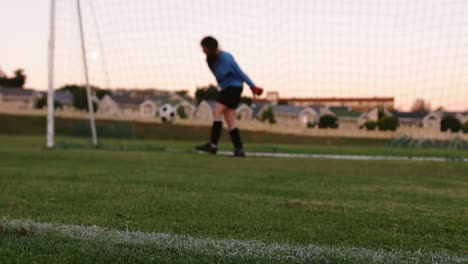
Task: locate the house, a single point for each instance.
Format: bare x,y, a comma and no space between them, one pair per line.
148,108
185,103
371,115
356,103
322,110
64,98
347,118
410,119
244,112
204,110
258,106
295,115
130,104
18,98
122,105
433,120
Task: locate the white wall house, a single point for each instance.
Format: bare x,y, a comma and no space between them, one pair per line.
244,112
18,98
204,110
131,105
148,109
120,105
189,108
295,115
433,120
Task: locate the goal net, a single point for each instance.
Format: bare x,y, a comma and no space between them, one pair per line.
407,50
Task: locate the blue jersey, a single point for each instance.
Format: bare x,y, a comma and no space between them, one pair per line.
228,73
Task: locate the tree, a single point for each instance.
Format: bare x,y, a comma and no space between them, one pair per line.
17,81
388,123
246,100
42,102
209,93
328,121
181,112
420,105
381,114
182,93
370,125
2,74
268,115
80,98
465,127
450,122
100,93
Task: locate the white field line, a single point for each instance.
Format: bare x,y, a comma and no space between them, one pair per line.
344,157
233,248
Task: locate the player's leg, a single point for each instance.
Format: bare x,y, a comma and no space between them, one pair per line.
217,126
230,117
216,129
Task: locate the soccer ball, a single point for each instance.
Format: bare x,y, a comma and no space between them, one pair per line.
167,113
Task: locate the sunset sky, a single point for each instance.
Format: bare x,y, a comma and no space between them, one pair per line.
314,48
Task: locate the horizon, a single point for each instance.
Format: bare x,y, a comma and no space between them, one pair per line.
336,48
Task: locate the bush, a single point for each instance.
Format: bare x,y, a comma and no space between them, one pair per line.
450,122
370,125
328,121
388,123
42,103
268,115
181,112
465,127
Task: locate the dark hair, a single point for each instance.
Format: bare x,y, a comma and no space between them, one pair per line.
210,43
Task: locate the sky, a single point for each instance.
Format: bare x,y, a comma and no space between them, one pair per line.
301,48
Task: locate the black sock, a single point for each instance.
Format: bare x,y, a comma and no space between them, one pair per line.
235,138
216,132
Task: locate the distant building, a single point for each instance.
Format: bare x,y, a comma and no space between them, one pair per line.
244,112
64,98
410,119
347,118
18,98
258,107
371,115
298,116
356,103
433,120
204,110
134,105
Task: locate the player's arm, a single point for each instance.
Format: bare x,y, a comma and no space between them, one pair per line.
256,90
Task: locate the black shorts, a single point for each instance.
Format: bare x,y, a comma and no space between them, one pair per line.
230,97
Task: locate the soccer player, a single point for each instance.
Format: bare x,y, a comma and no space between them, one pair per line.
230,79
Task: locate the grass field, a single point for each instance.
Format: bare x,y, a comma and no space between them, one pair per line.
270,209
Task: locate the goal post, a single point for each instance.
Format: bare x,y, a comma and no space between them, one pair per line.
50,93
51,89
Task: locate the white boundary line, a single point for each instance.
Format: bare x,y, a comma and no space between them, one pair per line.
233,248
345,157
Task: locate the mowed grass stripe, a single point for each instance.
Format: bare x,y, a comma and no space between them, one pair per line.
345,157
238,249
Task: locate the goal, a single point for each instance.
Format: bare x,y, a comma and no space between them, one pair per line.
406,50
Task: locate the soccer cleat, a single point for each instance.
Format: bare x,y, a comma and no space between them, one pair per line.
239,153
208,147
